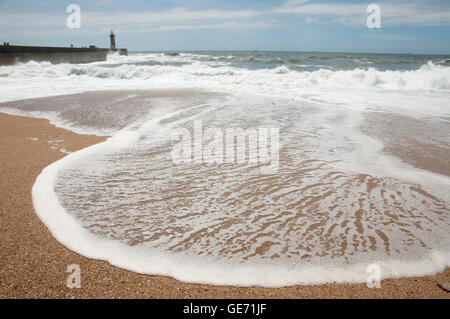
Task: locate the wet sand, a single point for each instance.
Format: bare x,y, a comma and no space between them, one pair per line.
422,143
33,264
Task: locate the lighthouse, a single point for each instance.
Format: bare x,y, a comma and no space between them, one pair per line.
112,37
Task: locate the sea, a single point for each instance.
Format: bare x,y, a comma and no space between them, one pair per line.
359,179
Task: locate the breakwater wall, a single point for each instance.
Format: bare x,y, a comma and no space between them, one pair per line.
11,54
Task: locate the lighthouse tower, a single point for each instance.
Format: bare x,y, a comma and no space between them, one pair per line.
112,37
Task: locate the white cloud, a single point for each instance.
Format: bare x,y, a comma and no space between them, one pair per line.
393,13
226,25
177,15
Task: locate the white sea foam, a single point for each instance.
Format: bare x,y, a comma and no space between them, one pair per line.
429,77
370,88
255,230
185,265
199,270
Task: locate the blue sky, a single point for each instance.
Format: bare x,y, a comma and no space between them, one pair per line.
414,26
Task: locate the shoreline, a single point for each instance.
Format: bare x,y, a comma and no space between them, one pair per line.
33,264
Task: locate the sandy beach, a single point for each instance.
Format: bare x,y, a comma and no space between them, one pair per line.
33,264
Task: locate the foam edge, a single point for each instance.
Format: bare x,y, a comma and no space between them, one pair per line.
69,232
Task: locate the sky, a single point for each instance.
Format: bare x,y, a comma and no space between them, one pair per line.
407,26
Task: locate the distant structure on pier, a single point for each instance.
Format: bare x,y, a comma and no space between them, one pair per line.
11,54
112,38
112,47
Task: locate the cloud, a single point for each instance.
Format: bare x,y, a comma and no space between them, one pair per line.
393,13
173,16
226,25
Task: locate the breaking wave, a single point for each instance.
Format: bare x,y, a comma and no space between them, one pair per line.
186,70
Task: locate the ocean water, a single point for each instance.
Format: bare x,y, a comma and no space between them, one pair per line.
363,173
